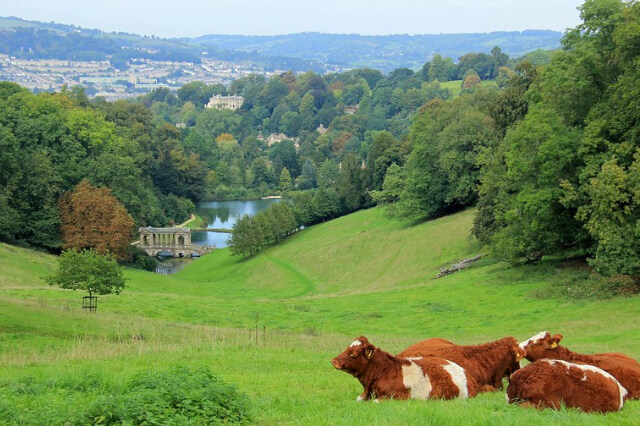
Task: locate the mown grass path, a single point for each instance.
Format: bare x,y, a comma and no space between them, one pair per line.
307,284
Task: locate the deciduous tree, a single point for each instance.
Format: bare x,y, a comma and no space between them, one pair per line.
93,218
89,271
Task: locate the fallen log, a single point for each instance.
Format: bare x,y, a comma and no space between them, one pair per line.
464,263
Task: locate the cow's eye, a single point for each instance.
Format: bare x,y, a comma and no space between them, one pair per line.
352,355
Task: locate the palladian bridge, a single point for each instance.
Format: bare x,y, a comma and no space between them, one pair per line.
174,242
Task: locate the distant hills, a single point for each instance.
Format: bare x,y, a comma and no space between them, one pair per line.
384,52
300,52
38,40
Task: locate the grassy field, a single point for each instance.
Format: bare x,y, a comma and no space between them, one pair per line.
272,323
456,86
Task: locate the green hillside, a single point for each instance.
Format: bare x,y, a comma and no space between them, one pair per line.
307,298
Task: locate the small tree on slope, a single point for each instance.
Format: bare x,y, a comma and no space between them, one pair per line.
89,271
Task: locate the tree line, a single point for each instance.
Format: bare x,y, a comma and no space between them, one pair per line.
551,160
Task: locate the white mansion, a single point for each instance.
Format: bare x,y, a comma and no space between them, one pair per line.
225,102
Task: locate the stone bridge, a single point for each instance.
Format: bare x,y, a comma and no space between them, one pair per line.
174,242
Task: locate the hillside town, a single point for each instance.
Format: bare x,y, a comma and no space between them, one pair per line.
100,78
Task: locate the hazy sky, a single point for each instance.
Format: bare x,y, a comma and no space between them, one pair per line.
198,17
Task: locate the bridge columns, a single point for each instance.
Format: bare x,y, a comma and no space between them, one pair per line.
176,241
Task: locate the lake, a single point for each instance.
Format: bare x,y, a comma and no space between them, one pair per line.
218,215
222,215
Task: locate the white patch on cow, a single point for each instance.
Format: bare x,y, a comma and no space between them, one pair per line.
584,378
416,381
621,389
355,343
535,338
359,398
413,358
458,377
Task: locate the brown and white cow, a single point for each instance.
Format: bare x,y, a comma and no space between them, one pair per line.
487,363
385,376
622,367
552,383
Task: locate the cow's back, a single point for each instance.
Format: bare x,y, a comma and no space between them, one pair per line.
623,368
424,346
554,383
435,347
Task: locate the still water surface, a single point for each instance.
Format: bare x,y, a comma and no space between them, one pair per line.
222,215
218,215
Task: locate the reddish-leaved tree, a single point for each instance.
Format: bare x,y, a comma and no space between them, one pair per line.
93,218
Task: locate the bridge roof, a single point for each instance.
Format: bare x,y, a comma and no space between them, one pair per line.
164,230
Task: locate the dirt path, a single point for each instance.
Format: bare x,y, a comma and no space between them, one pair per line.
191,219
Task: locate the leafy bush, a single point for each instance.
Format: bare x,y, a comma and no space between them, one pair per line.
591,285
176,397
140,260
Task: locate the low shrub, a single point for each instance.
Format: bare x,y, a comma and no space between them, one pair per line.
139,259
591,285
176,397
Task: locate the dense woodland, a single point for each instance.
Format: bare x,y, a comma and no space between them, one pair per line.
552,160
548,154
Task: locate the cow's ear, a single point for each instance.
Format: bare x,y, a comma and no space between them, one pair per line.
555,340
363,339
367,348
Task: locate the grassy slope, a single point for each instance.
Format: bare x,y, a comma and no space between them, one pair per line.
361,274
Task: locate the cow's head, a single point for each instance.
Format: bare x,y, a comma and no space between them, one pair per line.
355,359
542,345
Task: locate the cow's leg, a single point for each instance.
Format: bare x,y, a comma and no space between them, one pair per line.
486,388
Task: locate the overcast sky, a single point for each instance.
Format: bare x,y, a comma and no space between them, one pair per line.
199,17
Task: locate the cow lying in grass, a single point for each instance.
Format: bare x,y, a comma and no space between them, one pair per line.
622,367
551,383
487,363
385,376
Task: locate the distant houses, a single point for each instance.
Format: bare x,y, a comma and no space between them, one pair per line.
321,129
351,109
278,137
225,102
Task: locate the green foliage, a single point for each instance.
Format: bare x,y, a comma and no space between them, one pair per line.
438,69
177,207
307,179
89,271
442,171
178,396
141,260
285,180
538,154
392,187
251,233
565,174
